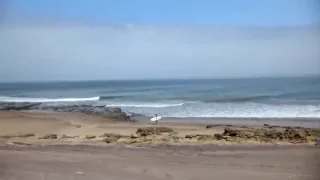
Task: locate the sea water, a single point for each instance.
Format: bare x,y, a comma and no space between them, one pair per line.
222,98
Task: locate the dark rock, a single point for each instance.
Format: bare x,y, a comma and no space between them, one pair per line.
217,125
211,126
17,135
21,143
273,134
190,136
218,136
114,113
293,134
117,136
231,132
67,137
175,138
18,106
110,140
200,137
146,131
49,136
90,137
107,112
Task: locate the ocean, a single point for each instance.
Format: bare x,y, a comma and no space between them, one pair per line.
210,98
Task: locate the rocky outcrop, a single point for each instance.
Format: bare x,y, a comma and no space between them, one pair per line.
146,131
107,112
200,137
17,135
266,135
18,106
49,136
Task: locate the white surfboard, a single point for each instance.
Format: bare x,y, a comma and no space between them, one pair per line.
156,118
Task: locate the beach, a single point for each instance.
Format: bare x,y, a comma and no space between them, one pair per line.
54,145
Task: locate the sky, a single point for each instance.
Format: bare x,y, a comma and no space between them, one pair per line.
144,39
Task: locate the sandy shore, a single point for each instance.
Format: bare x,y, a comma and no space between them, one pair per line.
145,163
78,146
77,128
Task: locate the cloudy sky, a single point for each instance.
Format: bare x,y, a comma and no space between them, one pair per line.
55,40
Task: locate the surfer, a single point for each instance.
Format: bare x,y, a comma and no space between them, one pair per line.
128,116
155,119
156,116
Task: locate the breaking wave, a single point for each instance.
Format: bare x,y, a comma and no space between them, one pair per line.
146,105
44,100
238,99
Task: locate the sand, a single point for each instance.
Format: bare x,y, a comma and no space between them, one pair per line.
78,150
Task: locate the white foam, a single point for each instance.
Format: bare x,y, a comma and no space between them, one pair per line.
150,105
43,100
246,110
262,111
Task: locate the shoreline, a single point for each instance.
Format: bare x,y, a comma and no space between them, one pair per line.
294,122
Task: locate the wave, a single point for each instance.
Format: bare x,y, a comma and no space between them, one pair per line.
239,99
46,100
151,105
110,97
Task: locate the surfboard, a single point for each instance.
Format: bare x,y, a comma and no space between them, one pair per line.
156,118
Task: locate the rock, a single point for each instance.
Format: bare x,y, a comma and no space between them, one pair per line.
21,143
134,136
110,140
200,137
49,136
132,141
175,138
146,131
25,135
293,134
17,135
218,136
212,126
18,106
190,136
231,132
273,134
67,137
217,125
107,112
266,125
90,137
117,136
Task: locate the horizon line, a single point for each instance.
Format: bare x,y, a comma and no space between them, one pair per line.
164,79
